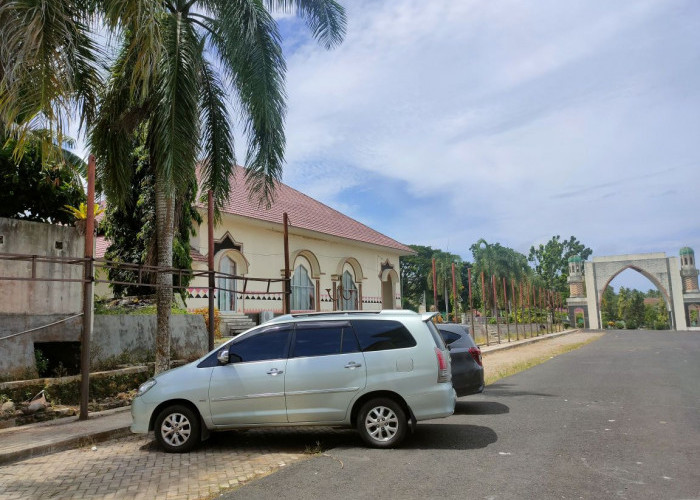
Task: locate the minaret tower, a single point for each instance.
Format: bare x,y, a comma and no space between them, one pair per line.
577,302
575,277
689,273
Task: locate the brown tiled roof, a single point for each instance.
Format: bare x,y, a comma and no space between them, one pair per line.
306,213
101,245
196,256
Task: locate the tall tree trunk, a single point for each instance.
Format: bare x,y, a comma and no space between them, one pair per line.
165,216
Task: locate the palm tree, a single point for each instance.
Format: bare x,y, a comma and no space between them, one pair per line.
182,104
177,61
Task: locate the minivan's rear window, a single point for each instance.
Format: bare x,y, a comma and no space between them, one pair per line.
436,335
376,335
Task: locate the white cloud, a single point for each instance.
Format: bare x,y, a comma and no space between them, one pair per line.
516,120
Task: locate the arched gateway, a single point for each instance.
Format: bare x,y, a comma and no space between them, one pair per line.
678,285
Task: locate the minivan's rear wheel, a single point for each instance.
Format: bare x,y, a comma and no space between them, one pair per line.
382,423
177,429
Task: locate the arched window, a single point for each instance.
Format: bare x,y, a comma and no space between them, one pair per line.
348,300
226,297
303,291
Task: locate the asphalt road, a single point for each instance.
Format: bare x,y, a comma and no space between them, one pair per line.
618,418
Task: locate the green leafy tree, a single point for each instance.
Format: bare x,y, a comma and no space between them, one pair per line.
35,190
414,269
636,310
417,276
131,232
630,307
496,260
608,306
551,261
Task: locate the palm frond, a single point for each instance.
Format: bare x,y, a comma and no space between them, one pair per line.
111,139
47,63
248,42
174,132
325,18
217,140
142,20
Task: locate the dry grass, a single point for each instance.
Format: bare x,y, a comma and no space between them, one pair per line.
498,365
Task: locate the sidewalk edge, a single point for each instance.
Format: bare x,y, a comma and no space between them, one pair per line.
63,445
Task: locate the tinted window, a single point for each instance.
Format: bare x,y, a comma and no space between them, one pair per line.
271,343
457,335
448,337
350,340
317,341
380,335
436,335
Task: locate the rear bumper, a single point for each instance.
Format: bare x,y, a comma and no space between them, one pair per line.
438,402
469,380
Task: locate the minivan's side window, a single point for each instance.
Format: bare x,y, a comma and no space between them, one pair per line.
350,340
317,341
323,339
376,335
271,343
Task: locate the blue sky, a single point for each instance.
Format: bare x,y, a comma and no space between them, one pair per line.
442,122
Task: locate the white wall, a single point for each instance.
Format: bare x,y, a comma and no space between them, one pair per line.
40,297
263,249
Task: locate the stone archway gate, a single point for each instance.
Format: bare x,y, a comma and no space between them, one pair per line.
666,273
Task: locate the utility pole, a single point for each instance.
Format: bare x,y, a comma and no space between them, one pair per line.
287,284
210,262
87,293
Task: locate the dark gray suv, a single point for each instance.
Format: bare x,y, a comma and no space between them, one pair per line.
467,367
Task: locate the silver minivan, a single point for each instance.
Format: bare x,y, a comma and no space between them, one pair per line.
377,371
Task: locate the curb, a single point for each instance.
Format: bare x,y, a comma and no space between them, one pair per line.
512,345
67,444
62,444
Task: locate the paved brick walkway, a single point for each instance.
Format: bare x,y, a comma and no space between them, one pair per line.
134,468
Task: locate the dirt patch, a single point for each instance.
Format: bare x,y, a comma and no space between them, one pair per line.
500,364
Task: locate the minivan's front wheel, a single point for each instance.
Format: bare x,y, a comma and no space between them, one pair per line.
382,423
177,429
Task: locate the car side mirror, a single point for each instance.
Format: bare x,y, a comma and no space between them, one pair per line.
223,357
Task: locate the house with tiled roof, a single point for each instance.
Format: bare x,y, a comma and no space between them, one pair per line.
336,262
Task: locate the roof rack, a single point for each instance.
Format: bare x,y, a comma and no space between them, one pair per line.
353,312
331,313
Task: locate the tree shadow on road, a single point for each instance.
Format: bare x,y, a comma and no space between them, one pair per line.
480,408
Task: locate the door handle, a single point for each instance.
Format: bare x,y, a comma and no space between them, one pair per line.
352,365
274,372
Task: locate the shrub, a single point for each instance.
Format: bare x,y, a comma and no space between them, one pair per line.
42,364
204,311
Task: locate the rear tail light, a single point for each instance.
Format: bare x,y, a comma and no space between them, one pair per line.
443,373
476,354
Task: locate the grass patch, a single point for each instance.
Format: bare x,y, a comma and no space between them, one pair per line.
147,310
314,449
536,359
